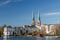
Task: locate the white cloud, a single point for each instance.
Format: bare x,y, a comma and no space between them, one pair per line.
52,13
9,1
5,2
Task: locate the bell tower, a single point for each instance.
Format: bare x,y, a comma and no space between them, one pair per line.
33,19
39,21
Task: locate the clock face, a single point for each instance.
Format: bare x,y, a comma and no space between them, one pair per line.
38,24
33,22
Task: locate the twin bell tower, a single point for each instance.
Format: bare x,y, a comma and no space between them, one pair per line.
33,20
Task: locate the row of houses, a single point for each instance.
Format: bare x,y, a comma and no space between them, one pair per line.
24,29
47,29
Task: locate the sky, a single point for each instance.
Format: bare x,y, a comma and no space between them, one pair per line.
19,12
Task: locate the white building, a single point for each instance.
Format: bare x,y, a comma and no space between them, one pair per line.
50,29
8,31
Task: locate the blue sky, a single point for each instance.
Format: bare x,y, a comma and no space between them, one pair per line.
19,12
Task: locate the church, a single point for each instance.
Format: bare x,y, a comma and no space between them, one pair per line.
38,24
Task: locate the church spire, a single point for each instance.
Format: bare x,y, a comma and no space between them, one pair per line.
33,19
39,21
38,16
32,16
